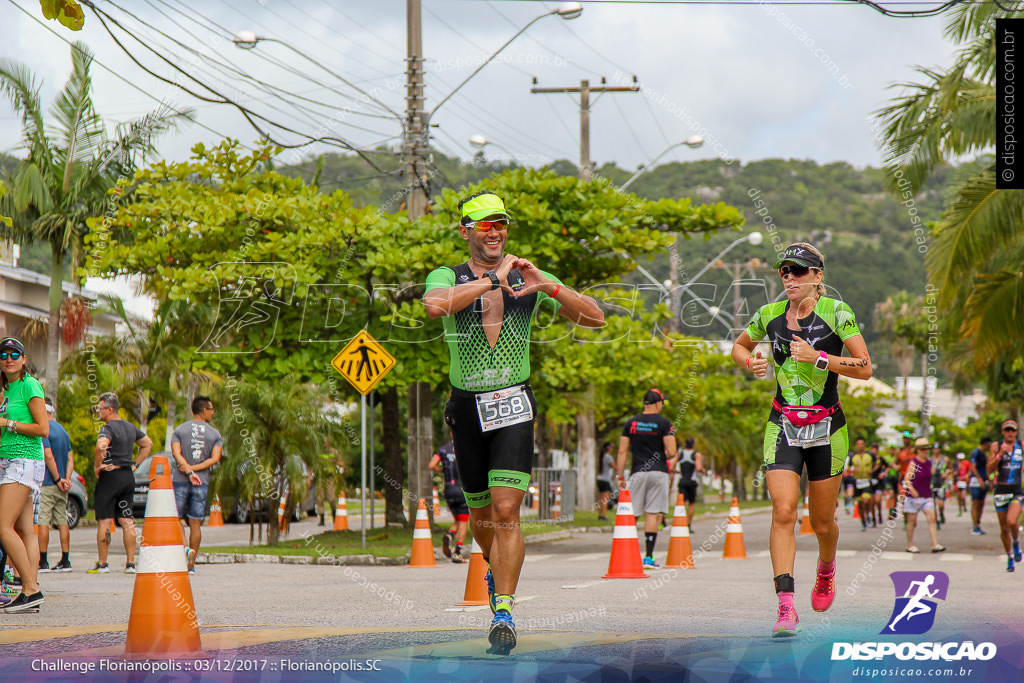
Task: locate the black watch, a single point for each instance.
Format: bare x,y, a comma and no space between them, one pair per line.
495,282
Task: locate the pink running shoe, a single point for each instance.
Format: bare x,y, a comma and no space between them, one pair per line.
788,623
824,591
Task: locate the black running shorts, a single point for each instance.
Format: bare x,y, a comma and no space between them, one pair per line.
688,487
115,491
502,457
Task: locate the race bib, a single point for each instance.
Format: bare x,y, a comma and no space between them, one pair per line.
498,409
1002,499
808,436
863,483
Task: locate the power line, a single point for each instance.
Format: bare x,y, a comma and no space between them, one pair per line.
120,77
629,127
229,65
249,114
222,31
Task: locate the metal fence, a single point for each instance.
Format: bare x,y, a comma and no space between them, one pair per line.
552,495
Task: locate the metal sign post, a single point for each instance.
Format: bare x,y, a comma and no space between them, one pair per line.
363,446
364,362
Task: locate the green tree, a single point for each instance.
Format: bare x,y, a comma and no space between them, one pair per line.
272,442
68,170
893,321
977,249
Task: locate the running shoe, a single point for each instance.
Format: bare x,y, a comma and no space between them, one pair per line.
502,635
190,556
4,599
1009,564
649,563
24,603
446,544
824,591
489,578
788,623
8,589
99,569
457,556
192,571
981,532
1016,552
129,568
939,549
913,549
14,581
8,576
976,532
43,568
62,566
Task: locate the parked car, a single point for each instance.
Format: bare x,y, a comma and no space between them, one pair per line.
142,481
78,500
239,511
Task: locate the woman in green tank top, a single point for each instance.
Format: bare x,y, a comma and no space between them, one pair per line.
23,423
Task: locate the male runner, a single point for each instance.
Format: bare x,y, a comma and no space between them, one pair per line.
486,319
443,462
861,464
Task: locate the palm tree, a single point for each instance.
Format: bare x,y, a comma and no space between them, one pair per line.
977,248
155,359
69,170
273,440
888,313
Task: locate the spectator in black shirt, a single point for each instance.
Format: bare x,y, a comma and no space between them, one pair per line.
652,438
115,481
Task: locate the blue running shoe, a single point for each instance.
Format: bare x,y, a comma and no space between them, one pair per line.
1009,564
1016,552
489,578
502,635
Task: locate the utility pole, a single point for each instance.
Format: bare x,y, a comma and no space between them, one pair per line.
586,430
420,394
584,90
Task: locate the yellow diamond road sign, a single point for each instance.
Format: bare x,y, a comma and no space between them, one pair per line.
363,362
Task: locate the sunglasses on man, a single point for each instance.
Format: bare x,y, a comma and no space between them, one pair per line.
794,270
13,355
483,226
1005,429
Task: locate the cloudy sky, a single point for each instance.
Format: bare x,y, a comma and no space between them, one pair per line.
760,81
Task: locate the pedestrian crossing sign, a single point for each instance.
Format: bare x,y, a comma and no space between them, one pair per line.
363,362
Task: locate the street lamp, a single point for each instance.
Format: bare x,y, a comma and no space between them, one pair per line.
567,10
247,40
692,142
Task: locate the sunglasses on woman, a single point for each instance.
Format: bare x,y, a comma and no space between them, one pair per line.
13,355
794,270
483,226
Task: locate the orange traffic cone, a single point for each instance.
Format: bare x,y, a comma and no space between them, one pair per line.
437,504
856,510
556,509
734,547
680,552
216,518
280,512
476,587
535,503
625,560
341,514
805,524
163,614
422,545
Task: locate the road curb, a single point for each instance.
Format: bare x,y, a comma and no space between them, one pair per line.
373,560
336,560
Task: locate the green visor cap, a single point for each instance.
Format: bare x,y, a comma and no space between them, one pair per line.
801,256
483,206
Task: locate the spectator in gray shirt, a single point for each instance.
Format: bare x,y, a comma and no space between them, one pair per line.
196,447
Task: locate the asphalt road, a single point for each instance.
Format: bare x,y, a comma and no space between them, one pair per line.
712,618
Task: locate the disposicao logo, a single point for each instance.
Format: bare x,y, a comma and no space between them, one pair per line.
916,595
913,613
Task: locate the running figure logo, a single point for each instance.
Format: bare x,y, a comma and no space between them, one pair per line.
916,593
